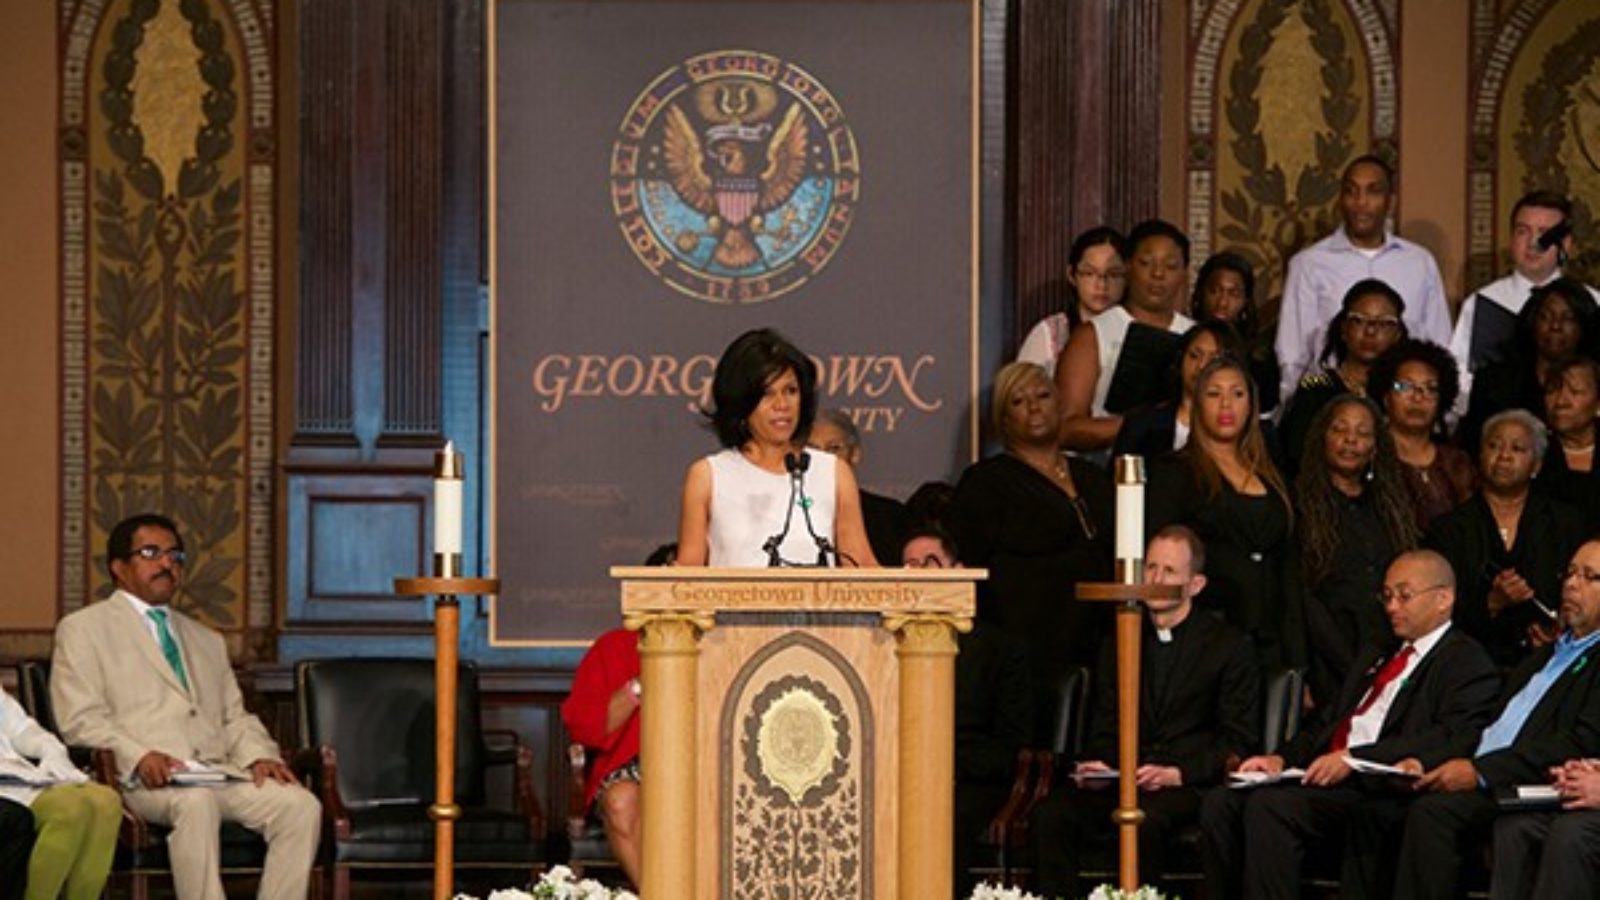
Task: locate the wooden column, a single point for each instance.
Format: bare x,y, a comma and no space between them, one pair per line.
668,652
927,654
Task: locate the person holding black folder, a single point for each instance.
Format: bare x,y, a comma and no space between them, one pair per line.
1540,240
1118,362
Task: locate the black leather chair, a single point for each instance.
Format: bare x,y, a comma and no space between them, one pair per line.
141,846
369,724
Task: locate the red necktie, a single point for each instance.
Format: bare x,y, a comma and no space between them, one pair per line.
1390,671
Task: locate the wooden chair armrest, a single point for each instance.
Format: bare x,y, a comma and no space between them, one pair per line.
527,799
133,832
999,828
323,764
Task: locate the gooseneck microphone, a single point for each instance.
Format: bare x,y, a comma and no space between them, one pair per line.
797,466
795,469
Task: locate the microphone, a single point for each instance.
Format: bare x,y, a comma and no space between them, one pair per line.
797,466
1553,238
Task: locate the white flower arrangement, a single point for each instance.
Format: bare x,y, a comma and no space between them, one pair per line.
987,891
1107,892
557,884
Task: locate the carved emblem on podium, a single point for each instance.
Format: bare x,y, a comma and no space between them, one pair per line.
797,811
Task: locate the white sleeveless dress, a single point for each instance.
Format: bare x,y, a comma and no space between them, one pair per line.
748,505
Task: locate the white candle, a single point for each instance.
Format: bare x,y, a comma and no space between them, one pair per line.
447,501
1130,508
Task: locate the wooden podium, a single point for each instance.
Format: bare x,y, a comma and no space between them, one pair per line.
797,729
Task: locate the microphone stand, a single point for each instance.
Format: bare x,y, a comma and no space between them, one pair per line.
774,558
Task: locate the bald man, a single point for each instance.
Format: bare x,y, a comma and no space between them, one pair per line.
1412,708
1549,713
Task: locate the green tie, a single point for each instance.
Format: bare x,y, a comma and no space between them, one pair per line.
169,647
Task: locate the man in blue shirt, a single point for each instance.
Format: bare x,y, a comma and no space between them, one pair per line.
1549,713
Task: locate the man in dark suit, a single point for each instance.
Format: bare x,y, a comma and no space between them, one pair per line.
885,517
1557,854
1412,708
1549,713
1199,712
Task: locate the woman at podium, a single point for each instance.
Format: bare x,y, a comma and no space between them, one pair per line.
764,499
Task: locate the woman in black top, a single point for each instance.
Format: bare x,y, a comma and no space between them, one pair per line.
1354,517
1559,320
1508,543
1040,522
1571,405
1224,486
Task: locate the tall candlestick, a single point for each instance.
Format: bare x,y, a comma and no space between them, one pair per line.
1130,518
447,482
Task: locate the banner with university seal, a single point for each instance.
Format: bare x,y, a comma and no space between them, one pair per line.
668,175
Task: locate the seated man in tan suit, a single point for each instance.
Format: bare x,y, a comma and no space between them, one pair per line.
156,687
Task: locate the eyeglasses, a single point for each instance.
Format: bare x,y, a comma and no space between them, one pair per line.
153,552
1372,323
1420,388
1586,574
1405,594
1108,276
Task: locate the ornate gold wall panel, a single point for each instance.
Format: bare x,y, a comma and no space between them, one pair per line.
1535,123
1282,94
167,164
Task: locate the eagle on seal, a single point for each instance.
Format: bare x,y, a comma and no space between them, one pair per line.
716,174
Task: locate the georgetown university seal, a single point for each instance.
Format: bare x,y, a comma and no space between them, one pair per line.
734,177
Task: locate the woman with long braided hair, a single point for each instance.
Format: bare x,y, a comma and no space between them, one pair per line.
1354,517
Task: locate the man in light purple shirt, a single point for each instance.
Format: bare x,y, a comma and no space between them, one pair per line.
1360,248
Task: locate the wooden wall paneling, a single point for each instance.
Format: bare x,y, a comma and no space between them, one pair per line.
351,534
412,287
1042,177
323,389
1133,182
1085,100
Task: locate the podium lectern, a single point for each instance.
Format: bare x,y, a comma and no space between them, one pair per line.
797,729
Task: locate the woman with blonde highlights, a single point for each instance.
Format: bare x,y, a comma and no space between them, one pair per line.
1039,521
